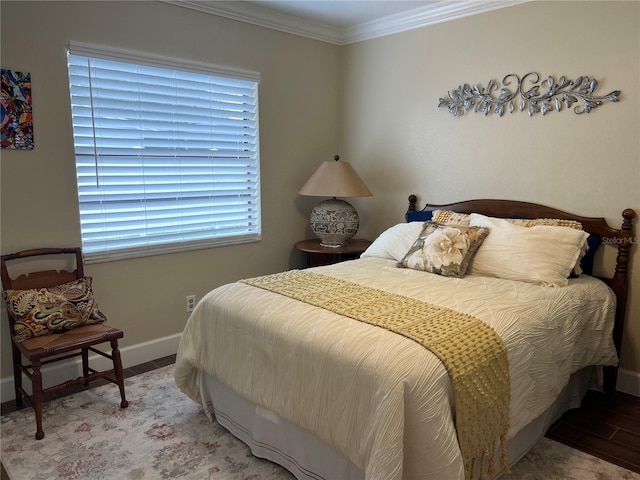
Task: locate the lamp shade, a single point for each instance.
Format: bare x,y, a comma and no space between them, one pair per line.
335,221
335,179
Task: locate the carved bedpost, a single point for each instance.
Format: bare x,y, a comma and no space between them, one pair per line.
412,203
620,285
620,280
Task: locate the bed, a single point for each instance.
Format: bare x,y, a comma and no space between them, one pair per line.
313,383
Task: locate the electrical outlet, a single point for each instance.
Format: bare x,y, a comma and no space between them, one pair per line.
191,302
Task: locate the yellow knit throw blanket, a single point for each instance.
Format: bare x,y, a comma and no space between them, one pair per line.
473,354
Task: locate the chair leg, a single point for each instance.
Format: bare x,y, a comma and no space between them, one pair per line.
36,397
85,364
117,366
17,374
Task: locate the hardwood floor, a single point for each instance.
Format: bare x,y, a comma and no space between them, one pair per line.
605,426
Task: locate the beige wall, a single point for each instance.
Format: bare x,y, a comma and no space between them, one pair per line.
375,102
299,105
402,143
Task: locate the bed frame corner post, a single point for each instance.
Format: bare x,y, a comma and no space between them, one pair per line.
412,203
620,285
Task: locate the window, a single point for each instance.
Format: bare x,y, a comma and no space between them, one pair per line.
167,153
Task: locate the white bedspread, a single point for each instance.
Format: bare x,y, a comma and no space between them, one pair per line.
379,398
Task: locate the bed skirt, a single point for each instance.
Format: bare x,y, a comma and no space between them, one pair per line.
309,458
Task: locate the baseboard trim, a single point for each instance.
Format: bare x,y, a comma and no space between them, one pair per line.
628,382
131,355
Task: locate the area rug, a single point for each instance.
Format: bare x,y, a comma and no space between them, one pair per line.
165,435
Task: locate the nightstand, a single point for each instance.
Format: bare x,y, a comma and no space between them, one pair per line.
318,255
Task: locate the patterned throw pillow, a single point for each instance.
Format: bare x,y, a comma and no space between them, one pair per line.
448,217
444,249
44,311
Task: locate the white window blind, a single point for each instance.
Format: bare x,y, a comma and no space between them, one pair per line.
167,153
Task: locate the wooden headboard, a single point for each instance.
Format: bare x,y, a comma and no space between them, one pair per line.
598,228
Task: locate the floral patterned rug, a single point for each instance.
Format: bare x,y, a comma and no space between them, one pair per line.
165,435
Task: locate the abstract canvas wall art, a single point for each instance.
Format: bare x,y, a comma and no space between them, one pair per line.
16,129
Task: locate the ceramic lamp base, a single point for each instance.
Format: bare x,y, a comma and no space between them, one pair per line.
335,222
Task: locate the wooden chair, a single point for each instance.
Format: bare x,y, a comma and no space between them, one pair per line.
54,347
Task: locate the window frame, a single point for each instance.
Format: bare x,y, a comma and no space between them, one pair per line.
92,255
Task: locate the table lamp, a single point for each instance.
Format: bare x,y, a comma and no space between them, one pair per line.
335,221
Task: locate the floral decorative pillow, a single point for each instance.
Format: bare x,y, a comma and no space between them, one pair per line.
43,311
444,249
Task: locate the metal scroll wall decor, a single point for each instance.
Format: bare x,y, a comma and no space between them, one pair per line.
544,96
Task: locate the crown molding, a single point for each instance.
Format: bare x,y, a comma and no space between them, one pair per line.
255,14
442,11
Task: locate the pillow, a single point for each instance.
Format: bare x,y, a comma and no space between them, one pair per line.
444,249
394,242
448,217
539,254
43,311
